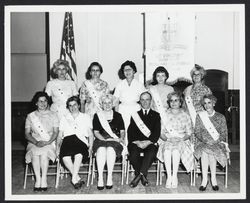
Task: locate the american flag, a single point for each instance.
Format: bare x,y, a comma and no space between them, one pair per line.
68,45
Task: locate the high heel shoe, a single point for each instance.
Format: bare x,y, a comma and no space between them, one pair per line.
169,183
36,189
215,187
44,189
109,187
100,187
203,188
174,182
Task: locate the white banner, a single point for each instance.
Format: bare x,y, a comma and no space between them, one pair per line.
170,39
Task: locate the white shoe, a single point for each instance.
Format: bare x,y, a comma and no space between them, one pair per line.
169,182
174,182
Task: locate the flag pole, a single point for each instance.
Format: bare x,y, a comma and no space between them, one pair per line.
63,34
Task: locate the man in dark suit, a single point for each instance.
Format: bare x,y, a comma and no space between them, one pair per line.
142,144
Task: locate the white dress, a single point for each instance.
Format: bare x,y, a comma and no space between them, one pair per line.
60,91
49,121
128,96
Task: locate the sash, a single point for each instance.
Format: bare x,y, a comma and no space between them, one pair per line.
43,134
190,105
209,125
107,128
74,129
93,93
162,112
106,125
142,127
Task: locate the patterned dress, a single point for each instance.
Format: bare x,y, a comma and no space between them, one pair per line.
49,120
182,124
101,88
205,142
196,94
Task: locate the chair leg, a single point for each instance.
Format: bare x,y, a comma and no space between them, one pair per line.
25,176
123,169
128,168
93,171
58,171
161,167
157,172
226,175
89,171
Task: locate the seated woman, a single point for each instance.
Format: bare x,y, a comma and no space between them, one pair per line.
211,132
176,145
76,131
41,129
109,131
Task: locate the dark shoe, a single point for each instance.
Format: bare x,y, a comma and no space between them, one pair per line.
82,181
135,181
215,188
100,187
77,185
44,189
36,189
202,188
109,187
144,180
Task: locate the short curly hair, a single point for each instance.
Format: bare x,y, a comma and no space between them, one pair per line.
107,96
56,64
73,98
200,69
87,75
177,94
121,70
208,96
159,69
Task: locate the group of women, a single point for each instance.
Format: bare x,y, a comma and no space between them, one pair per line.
95,122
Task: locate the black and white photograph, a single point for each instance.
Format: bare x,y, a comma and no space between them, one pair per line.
125,102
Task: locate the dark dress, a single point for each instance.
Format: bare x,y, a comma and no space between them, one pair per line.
116,124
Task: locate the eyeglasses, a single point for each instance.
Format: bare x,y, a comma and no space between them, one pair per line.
95,70
174,100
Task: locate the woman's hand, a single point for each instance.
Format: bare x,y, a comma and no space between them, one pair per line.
41,143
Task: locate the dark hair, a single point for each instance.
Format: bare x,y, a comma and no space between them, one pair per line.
177,94
121,70
37,96
73,98
208,96
57,63
146,92
159,69
87,74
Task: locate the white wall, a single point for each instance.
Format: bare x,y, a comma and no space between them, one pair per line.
107,38
112,38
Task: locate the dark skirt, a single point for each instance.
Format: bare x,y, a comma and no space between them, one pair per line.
116,146
72,145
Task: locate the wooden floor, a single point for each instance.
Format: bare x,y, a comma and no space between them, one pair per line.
65,186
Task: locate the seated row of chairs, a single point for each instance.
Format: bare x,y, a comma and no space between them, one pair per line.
125,168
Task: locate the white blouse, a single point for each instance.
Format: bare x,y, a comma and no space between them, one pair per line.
78,126
129,94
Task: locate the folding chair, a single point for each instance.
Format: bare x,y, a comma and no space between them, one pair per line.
53,170
119,163
87,166
219,171
156,164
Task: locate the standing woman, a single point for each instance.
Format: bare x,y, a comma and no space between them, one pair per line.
160,90
176,143
92,89
211,132
75,139
41,130
196,91
109,131
128,92
60,88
